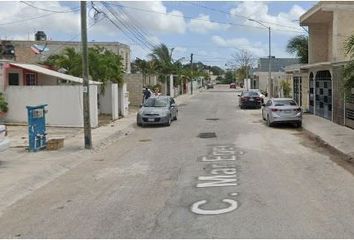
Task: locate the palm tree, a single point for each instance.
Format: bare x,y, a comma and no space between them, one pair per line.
163,56
69,59
151,69
299,45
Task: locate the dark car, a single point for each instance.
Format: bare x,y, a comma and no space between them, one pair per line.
157,110
250,99
232,85
210,85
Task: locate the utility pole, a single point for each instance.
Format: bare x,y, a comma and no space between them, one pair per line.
86,86
270,81
270,66
191,73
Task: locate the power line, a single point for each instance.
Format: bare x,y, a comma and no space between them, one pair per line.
33,18
198,19
114,17
49,10
237,15
125,28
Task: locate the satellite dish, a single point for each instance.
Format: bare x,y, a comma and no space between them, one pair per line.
38,49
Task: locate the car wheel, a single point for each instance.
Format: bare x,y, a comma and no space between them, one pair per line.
169,121
269,124
263,116
175,118
299,124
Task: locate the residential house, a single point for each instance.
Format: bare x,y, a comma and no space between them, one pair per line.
38,50
329,24
260,74
29,84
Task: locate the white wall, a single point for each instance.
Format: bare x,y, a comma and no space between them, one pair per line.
109,100
123,96
65,104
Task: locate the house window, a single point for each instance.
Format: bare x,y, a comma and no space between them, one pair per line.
14,79
30,79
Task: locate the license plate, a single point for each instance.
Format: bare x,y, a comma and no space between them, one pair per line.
251,99
151,119
287,111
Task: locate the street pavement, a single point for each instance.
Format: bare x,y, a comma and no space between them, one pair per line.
245,180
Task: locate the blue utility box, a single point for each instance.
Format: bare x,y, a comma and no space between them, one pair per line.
37,134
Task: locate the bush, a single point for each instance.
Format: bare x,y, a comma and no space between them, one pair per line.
3,103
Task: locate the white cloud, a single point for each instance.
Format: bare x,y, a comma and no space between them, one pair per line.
256,48
283,22
64,23
202,24
159,19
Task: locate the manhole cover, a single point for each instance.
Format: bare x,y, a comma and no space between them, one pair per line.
212,119
145,140
207,135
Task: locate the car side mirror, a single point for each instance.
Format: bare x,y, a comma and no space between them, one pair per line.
173,105
140,105
239,95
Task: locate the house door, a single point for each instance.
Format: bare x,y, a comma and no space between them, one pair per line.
323,94
297,86
311,94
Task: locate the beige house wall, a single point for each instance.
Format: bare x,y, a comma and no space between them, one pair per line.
318,43
24,53
343,27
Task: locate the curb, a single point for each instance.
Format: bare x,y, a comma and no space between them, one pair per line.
346,156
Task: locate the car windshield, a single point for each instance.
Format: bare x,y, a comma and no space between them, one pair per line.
284,103
250,94
156,102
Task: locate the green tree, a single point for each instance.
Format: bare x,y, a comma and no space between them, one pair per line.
216,70
285,85
104,65
229,77
69,60
162,55
299,45
348,72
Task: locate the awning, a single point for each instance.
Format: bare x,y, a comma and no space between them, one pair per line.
45,71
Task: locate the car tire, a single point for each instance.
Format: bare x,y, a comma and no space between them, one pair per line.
269,124
299,124
263,116
169,121
175,118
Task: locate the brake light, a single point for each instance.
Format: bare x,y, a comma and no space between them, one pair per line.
274,110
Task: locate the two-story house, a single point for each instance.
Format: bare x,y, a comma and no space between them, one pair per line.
329,25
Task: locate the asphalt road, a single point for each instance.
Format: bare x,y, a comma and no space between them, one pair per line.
249,181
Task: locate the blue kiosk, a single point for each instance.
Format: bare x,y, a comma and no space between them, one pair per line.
37,134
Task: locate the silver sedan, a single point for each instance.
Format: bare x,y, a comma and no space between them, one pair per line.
157,110
282,110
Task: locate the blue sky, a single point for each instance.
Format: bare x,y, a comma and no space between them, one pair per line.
188,27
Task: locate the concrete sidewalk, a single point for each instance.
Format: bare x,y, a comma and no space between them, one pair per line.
22,172
338,137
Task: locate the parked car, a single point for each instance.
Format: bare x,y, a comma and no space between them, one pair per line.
232,85
157,110
210,85
282,110
250,99
260,93
4,141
